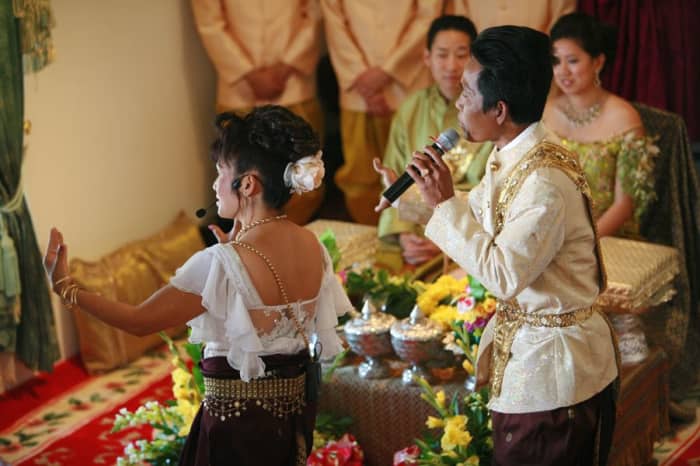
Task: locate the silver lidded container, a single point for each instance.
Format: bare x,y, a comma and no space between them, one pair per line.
417,339
368,335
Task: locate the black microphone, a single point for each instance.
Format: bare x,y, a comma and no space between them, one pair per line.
203,211
445,142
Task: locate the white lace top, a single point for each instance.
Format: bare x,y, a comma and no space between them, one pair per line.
219,276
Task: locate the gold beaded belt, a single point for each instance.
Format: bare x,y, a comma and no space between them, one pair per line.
509,318
566,319
281,397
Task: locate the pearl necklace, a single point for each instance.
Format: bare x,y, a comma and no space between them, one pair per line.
581,118
244,229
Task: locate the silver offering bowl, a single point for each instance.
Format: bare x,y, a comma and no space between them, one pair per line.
368,335
417,340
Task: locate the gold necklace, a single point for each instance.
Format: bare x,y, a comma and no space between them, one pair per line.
581,118
244,229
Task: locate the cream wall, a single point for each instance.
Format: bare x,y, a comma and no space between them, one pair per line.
120,127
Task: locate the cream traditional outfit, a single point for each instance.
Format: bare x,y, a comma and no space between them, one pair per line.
241,36
540,14
527,234
362,34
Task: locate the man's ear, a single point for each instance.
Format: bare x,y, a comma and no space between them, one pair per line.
501,110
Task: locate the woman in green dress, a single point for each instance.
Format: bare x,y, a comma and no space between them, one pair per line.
604,129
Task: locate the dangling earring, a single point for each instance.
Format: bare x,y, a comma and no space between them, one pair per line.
596,80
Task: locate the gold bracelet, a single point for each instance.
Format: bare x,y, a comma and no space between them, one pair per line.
66,278
69,295
74,297
56,286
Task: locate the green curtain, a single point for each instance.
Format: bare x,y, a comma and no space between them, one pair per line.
32,337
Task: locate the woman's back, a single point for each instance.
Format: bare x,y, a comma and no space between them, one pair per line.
295,254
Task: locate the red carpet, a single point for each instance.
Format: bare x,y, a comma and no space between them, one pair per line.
41,389
683,449
64,418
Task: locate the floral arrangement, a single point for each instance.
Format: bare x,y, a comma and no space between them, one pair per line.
474,310
171,421
466,433
463,306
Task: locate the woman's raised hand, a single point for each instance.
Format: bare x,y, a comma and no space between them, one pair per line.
56,258
223,237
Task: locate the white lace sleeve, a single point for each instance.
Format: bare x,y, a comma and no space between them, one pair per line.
332,302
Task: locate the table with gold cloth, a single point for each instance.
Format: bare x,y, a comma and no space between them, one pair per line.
388,415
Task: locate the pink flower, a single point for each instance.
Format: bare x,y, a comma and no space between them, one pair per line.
465,304
407,457
342,452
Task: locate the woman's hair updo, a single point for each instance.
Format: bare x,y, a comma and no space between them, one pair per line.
593,36
265,140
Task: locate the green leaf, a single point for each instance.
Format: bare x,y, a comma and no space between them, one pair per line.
328,239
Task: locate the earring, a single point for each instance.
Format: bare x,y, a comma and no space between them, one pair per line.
596,80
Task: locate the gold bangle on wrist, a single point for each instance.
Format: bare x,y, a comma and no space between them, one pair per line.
69,295
56,286
66,278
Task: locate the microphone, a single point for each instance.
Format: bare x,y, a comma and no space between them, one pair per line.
203,211
445,142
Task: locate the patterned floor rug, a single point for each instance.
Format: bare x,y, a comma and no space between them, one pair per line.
65,418
682,446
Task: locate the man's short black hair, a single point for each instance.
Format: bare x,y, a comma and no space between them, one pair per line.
451,22
517,69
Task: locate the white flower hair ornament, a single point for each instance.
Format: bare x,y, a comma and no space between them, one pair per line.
306,174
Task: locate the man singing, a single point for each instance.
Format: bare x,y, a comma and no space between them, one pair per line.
526,233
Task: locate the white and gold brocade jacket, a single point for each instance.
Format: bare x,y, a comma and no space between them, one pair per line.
543,258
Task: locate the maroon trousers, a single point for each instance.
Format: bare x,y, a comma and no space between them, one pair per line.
256,437
578,435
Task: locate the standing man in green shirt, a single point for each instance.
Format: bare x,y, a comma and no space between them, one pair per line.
423,114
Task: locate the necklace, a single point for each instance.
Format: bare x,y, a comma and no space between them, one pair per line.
244,229
581,118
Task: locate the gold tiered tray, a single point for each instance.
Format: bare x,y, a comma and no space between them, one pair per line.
640,275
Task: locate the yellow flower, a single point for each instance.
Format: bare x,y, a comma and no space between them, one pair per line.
453,438
489,305
434,422
188,411
445,315
440,398
468,367
181,377
458,422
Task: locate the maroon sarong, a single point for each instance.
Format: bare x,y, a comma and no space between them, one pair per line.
578,435
256,437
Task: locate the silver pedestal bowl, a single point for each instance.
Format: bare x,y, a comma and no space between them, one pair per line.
368,335
417,340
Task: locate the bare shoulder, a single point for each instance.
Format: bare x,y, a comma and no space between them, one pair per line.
306,241
621,116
